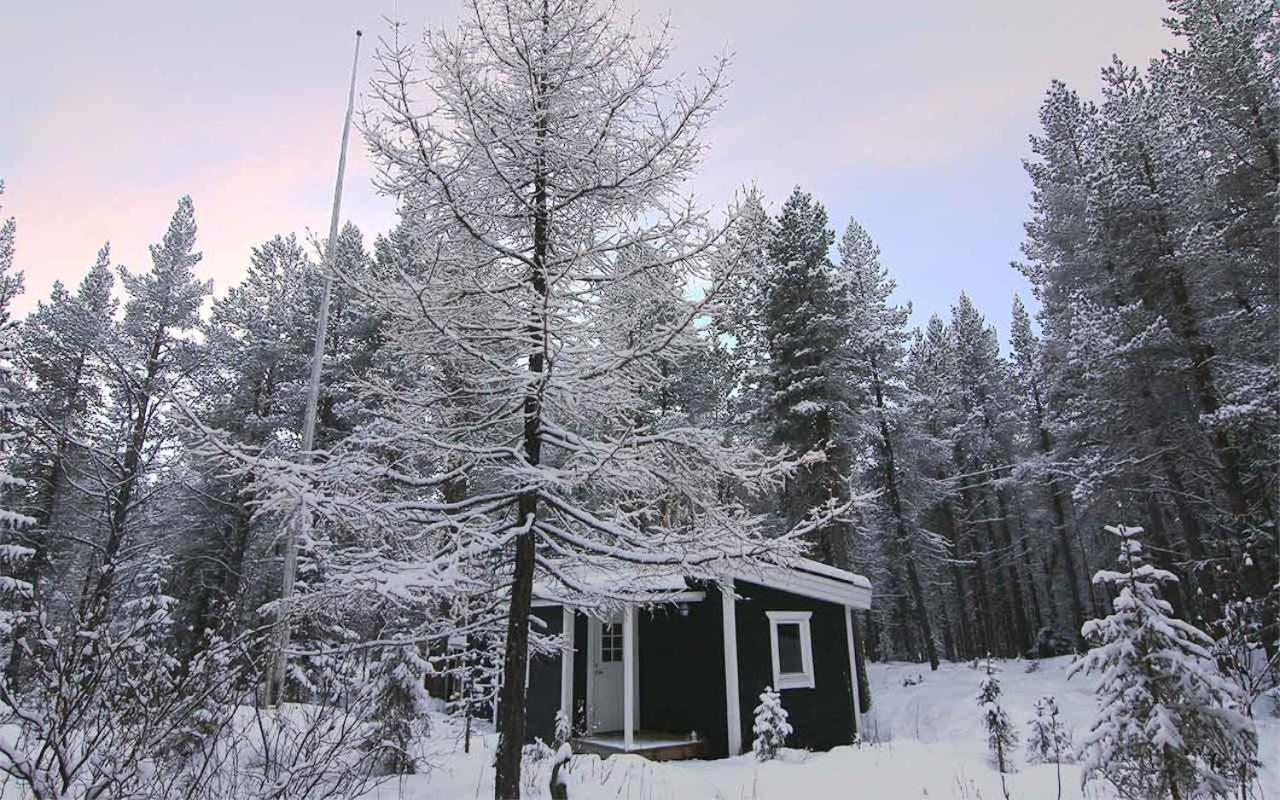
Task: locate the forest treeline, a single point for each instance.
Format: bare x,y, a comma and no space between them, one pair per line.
706,386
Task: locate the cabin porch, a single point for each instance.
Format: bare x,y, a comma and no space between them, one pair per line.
653,745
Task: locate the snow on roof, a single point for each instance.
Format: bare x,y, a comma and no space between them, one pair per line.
817,567
604,582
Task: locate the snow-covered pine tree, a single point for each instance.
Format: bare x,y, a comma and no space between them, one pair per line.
1048,738
63,347
1001,736
563,730
932,408
1168,724
983,449
150,355
874,370
400,705
1153,220
771,726
744,300
15,555
1029,376
807,403
257,339
540,197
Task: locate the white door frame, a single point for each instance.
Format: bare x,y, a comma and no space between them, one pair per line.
630,671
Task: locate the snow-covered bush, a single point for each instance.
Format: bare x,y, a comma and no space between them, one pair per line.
1001,737
771,726
1239,648
1168,724
1048,739
400,706
110,712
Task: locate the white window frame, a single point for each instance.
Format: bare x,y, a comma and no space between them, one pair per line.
792,680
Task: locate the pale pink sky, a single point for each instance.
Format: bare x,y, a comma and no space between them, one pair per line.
910,116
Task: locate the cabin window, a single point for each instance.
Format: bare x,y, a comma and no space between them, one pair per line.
611,641
792,646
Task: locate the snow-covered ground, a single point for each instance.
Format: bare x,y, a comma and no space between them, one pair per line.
926,742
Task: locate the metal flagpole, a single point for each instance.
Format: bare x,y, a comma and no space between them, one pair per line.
302,518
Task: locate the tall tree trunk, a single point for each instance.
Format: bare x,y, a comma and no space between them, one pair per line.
900,524
99,598
1058,503
1032,583
967,647
984,611
948,635
1162,554
511,702
1010,559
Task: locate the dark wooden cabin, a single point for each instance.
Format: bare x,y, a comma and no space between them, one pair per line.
677,673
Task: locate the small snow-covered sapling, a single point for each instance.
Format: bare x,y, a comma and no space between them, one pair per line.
771,726
1001,737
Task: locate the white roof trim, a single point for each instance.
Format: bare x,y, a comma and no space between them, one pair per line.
812,579
800,576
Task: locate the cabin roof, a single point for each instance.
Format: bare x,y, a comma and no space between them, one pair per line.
613,583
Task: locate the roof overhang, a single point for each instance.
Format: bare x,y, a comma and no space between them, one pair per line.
799,576
826,584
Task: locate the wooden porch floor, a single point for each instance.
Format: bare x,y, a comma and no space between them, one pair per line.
653,745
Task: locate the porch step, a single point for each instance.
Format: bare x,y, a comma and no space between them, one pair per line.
653,745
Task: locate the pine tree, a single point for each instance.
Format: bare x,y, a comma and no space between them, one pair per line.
15,555
1153,222
1028,373
874,361
935,413
771,726
983,451
1048,738
258,338
746,276
66,345
151,356
400,706
1168,724
804,316
1002,739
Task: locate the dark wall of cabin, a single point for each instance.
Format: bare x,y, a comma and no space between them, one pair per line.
544,682
682,671
822,716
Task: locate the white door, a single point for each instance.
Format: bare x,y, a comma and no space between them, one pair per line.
606,665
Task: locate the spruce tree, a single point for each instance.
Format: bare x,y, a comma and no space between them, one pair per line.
770,726
804,316
1168,724
1048,738
1001,736
400,705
